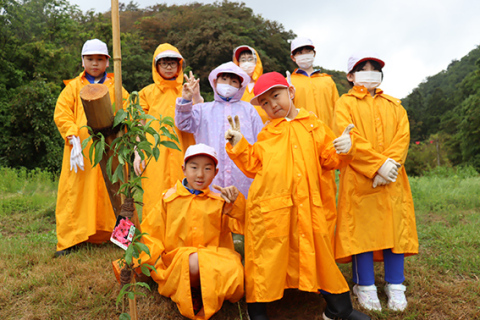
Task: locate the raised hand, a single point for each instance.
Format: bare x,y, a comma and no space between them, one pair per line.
233,135
229,194
191,88
343,143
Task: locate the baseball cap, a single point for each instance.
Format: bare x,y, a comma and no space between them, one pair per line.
300,42
266,82
95,46
359,57
168,54
240,49
200,149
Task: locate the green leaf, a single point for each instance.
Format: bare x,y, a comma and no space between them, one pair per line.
119,117
145,270
156,153
124,316
131,295
142,247
129,255
170,144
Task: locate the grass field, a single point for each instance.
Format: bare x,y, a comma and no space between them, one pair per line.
442,281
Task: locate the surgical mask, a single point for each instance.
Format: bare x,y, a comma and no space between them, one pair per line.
305,61
248,67
368,79
226,90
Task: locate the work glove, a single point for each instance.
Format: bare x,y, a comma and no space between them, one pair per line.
389,170
233,135
138,164
343,143
76,157
378,181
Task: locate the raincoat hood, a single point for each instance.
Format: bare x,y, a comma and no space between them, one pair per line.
158,79
258,71
229,67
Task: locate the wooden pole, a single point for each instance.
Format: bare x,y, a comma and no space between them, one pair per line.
117,55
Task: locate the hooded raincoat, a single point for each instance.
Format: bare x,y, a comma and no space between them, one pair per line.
290,208
158,99
248,94
317,93
182,224
208,122
373,219
83,211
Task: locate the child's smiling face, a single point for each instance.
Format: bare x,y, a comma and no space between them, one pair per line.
277,102
199,171
95,64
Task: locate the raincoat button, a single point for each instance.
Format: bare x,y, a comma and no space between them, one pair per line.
311,125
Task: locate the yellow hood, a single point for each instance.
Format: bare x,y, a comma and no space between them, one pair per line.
258,71
157,78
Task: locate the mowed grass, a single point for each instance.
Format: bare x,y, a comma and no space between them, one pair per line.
442,281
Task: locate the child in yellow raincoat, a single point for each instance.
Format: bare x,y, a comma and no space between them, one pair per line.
248,60
190,239
158,99
290,207
83,211
376,218
314,91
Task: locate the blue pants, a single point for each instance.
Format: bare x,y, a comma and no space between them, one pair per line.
362,268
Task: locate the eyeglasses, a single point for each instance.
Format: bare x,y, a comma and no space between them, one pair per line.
251,59
169,64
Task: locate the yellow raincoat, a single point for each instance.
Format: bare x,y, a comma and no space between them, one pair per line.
290,208
374,219
158,99
182,224
317,93
248,94
83,211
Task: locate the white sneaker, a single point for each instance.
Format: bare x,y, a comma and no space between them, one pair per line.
367,297
396,296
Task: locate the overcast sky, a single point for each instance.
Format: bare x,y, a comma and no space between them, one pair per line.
415,38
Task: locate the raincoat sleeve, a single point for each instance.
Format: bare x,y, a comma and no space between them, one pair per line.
187,117
329,159
64,116
367,160
246,157
154,226
398,149
144,100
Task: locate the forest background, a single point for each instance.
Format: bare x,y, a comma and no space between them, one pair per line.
41,41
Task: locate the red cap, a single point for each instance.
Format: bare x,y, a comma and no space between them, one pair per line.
266,82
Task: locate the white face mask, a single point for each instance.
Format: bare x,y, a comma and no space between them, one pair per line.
248,67
305,61
226,90
368,79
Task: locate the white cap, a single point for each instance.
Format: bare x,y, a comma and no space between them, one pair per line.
201,149
95,46
300,42
168,54
359,57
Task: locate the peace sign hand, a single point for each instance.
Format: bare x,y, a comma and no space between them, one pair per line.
191,89
233,135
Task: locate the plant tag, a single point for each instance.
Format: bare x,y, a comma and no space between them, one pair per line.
123,232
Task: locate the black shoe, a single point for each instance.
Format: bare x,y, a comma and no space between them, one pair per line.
339,307
257,311
64,252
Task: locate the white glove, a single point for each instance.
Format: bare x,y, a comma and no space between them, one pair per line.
233,135
138,164
389,170
379,181
76,157
343,143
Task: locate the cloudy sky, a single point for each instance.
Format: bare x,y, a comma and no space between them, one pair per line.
416,38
